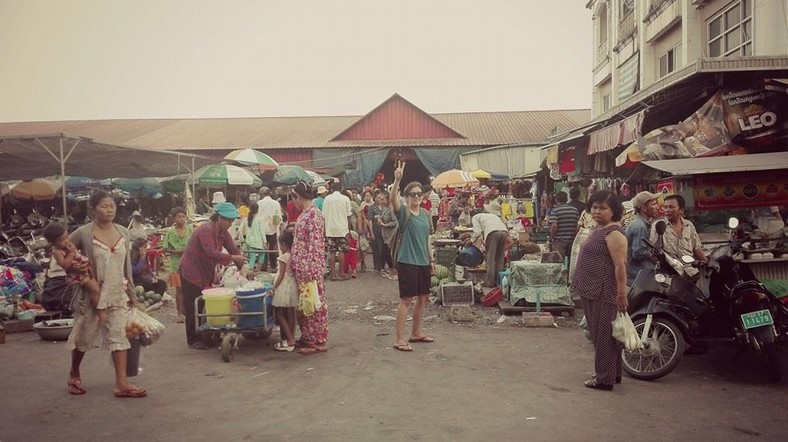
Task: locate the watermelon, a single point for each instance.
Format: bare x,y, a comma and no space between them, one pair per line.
139,290
441,271
434,281
445,280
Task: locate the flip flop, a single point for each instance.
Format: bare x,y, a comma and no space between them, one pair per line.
131,391
403,347
311,350
423,339
75,386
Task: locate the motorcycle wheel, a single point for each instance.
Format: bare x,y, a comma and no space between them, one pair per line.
772,361
661,353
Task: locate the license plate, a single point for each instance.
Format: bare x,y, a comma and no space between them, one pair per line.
757,319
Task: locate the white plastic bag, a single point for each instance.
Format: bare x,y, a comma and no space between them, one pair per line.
624,332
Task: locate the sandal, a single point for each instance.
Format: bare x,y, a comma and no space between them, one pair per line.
311,350
592,383
403,347
283,346
424,339
180,319
75,386
131,391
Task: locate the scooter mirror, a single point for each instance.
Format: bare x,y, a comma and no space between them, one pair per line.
660,227
733,222
687,259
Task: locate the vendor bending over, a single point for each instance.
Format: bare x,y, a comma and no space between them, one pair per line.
489,226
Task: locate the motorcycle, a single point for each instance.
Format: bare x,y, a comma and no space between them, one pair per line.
671,310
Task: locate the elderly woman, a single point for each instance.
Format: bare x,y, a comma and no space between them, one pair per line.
203,252
600,279
415,262
307,259
107,246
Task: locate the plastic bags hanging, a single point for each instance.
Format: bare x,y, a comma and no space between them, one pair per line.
624,331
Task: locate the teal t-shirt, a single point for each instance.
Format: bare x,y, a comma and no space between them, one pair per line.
414,248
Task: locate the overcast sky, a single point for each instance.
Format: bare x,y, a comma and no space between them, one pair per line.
107,59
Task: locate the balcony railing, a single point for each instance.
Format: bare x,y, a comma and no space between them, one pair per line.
602,52
656,8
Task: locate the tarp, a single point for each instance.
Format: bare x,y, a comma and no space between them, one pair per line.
438,160
35,156
360,165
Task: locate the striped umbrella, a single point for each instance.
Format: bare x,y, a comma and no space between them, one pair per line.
223,175
251,157
454,178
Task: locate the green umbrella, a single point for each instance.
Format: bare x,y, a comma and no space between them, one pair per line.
251,157
288,174
223,175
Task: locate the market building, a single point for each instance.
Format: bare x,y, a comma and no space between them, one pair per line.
357,148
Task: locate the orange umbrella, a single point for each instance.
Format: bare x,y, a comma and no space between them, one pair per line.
38,189
454,178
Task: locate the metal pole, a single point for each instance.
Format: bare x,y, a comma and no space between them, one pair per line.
63,182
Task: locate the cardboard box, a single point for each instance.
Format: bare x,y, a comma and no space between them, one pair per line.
523,237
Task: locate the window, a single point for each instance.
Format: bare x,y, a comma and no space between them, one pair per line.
606,104
730,31
670,61
625,8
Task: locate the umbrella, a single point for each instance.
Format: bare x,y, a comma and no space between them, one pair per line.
481,174
38,189
251,157
630,156
288,174
454,178
80,182
222,175
317,180
139,187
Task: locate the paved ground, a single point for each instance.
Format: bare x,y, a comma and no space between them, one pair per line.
479,381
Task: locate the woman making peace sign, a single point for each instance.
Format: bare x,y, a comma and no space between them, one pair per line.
415,262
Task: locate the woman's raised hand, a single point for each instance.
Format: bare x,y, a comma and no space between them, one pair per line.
399,170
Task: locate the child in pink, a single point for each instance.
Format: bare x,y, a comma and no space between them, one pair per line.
351,256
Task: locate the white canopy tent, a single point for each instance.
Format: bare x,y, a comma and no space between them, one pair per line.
26,157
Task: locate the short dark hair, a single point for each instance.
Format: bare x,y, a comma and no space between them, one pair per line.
574,193
679,199
96,197
177,210
286,238
53,231
561,197
303,190
612,200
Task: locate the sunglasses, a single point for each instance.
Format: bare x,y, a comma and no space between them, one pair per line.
415,194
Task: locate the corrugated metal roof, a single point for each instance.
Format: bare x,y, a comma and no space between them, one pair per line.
479,129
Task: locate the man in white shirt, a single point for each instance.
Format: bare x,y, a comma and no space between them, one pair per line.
490,229
435,201
270,212
337,211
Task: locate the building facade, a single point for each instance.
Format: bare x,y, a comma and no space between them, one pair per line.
637,43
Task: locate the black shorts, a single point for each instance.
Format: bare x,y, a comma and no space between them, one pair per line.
413,280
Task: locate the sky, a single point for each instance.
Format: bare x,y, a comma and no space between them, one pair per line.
97,59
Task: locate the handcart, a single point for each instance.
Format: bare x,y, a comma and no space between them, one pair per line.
233,315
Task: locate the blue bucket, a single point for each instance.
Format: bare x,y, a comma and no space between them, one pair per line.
253,301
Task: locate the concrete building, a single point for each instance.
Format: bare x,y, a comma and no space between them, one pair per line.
638,43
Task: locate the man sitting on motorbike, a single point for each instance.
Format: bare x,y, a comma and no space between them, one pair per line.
680,238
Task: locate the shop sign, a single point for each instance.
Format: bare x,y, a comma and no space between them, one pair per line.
740,191
665,188
756,116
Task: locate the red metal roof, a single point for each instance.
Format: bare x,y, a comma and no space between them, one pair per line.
396,119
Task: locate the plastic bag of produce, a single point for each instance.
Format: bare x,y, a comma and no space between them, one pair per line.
624,332
144,327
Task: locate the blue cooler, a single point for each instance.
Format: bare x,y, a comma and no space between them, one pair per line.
254,301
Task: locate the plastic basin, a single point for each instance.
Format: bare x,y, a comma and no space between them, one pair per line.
250,302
